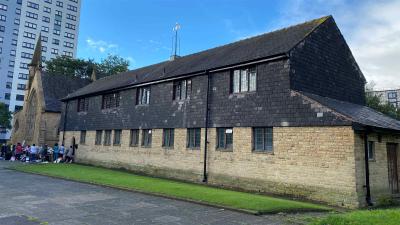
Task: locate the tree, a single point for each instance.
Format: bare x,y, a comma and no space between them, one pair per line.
5,116
375,101
82,68
112,65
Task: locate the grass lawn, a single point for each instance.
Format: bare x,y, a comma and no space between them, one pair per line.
200,193
362,217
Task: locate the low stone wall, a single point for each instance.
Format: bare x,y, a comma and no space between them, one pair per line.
315,163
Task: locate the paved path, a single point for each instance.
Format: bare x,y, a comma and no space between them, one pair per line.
27,199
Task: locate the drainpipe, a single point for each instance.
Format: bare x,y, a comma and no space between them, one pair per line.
368,196
205,178
65,121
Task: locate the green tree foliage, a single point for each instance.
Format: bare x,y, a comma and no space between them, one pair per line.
5,116
82,68
113,64
374,101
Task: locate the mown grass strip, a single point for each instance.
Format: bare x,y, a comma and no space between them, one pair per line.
362,217
175,189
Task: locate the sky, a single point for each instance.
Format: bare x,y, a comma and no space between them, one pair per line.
141,30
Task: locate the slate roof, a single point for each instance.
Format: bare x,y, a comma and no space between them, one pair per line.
358,113
263,46
55,87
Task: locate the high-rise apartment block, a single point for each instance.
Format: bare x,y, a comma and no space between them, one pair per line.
22,22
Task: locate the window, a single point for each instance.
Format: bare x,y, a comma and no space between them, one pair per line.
29,35
59,4
18,11
1,39
193,138
16,21
54,51
9,85
110,101
45,29
68,44
33,5
23,76
134,138
69,35
45,39
56,41
146,137
10,74
58,13
67,53
371,150
17,108
263,139
244,80
26,55
21,86
30,25
224,138
12,52
71,17
83,105
7,96
11,63
107,137
47,1
143,96
3,7
44,49
28,45
70,26
2,28
19,97
72,8
99,134
31,15
14,42
57,22
392,95
3,18
46,19
117,137
182,89
82,140
23,65
56,32
168,138
46,9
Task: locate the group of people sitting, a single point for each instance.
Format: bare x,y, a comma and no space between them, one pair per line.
33,153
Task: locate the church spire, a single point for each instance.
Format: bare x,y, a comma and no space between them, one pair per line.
37,54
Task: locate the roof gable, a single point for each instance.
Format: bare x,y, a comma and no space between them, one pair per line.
263,46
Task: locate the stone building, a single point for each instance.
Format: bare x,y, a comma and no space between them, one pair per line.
38,121
280,113
391,96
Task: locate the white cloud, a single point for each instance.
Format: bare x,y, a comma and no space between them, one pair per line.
101,46
371,28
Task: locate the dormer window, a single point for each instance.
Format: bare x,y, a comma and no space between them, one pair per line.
182,89
143,96
110,101
83,105
244,80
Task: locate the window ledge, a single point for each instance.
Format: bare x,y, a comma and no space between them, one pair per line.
134,146
195,148
224,149
167,147
117,145
264,152
145,146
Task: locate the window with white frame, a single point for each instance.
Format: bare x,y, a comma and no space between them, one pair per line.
143,96
244,80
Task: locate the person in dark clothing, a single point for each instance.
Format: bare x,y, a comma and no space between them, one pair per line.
3,151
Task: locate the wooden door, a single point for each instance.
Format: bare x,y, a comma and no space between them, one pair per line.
392,167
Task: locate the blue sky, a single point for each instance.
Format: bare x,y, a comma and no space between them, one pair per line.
141,31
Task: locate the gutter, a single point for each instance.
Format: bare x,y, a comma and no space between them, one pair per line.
65,121
223,68
366,160
205,175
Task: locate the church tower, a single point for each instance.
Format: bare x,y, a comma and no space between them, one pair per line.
36,63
